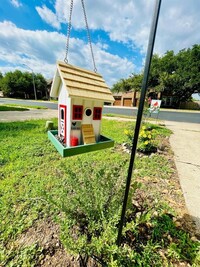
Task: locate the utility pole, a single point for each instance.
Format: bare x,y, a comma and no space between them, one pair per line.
34,89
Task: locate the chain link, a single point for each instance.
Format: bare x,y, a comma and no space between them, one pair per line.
68,31
88,35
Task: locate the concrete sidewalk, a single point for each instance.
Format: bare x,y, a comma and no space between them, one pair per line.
185,142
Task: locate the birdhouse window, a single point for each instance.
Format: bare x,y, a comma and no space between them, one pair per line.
77,113
62,114
97,113
88,112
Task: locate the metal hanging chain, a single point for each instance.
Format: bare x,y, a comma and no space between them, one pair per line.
88,35
68,30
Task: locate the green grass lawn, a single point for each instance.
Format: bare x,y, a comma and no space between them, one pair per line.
119,115
36,184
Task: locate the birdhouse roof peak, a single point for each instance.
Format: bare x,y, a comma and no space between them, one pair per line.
80,82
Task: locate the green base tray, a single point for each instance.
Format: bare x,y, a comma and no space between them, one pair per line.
71,151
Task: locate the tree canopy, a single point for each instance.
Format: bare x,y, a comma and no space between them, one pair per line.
133,83
177,75
20,84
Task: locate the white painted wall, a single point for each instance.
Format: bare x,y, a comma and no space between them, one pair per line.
87,104
62,95
87,120
63,99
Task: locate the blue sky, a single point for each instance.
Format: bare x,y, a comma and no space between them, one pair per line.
33,32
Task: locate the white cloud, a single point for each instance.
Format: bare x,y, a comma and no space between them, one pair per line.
60,15
129,22
178,25
15,3
48,16
41,49
123,22
37,49
61,8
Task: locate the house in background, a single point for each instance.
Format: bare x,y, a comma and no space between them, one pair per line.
131,99
128,99
81,96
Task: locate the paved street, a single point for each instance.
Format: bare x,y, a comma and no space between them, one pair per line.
169,115
48,104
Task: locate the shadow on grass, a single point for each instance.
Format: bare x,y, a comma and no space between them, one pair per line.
7,108
14,128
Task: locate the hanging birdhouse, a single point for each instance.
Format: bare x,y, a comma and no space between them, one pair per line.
81,95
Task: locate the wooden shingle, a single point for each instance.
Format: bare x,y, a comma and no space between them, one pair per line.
81,83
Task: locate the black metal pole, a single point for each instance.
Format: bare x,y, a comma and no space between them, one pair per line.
140,111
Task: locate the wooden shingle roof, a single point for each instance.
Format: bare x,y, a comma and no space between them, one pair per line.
81,83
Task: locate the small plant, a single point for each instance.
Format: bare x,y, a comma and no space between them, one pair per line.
129,134
146,141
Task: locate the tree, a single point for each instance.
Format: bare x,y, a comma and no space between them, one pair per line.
123,85
6,84
20,84
178,75
189,71
133,83
136,81
41,86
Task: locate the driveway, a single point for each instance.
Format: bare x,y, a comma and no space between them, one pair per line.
185,142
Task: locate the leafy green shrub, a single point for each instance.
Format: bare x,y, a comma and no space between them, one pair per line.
89,200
